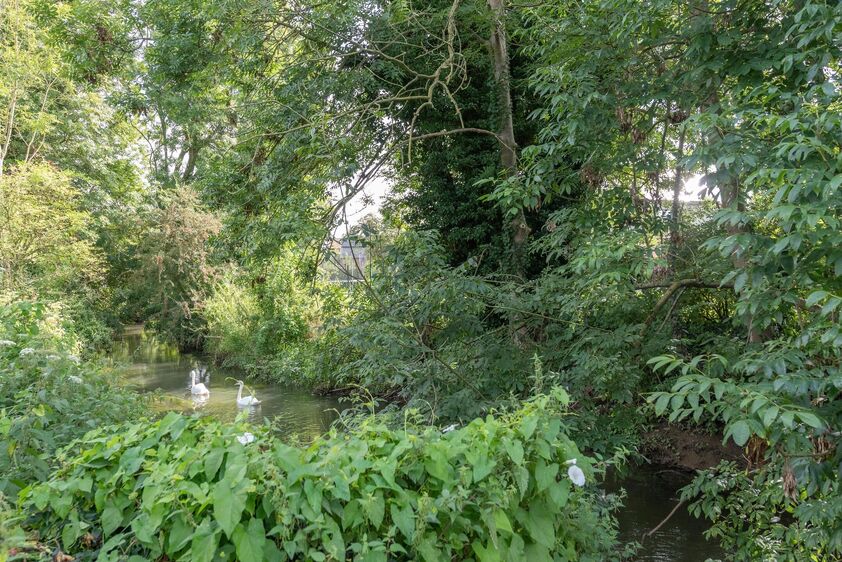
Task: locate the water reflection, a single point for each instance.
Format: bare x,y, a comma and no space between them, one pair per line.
155,366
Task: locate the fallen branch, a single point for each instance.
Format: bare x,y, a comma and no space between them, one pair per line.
692,282
672,287
661,524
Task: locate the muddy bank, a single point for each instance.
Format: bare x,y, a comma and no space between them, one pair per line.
687,449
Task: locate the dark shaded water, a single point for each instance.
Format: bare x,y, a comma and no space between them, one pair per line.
651,492
158,367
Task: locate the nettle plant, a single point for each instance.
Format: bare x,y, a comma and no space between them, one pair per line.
189,488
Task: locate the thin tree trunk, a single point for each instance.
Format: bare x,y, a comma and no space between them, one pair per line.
518,228
192,153
729,189
675,214
7,132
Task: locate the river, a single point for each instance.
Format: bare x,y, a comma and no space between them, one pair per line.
158,367
651,493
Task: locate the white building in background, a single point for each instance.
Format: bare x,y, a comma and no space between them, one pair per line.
347,261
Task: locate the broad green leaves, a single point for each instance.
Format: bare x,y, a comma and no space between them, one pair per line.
229,500
203,545
249,541
493,486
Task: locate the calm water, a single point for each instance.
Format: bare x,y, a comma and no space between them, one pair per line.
651,493
158,367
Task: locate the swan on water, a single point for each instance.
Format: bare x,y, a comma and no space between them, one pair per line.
197,388
247,400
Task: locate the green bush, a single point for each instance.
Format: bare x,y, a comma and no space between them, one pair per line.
48,397
190,489
231,313
271,327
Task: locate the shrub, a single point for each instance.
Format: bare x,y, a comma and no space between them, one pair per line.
272,326
192,488
48,397
231,313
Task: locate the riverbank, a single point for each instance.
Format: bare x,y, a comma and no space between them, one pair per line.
685,448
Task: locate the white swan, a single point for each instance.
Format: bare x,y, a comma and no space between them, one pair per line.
199,388
248,400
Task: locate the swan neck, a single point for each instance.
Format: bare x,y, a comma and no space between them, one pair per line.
239,393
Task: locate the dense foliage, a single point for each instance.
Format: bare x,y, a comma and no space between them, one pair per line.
48,397
191,164
494,490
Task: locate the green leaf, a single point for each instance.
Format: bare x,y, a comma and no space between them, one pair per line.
375,509
815,297
770,415
545,475
203,545
404,518
501,521
740,432
437,465
112,518
560,492
515,450
213,460
810,419
528,425
228,506
70,532
249,541
179,535
661,404
539,522
487,553
482,466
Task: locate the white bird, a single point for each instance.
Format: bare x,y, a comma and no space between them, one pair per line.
245,401
197,388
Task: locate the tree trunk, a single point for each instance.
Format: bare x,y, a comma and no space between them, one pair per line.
729,188
519,230
675,214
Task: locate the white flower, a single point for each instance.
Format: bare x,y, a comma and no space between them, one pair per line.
7,343
245,438
53,357
575,473
74,378
449,428
26,351
73,358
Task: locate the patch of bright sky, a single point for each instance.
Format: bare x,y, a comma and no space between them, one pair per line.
368,202
373,196
693,189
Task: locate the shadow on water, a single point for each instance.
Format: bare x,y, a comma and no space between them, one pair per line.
155,366
651,493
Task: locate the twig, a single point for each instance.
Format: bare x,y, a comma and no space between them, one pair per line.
661,524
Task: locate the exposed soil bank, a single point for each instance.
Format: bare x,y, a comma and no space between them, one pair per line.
687,449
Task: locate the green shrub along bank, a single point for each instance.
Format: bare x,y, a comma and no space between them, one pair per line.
192,488
272,326
48,396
